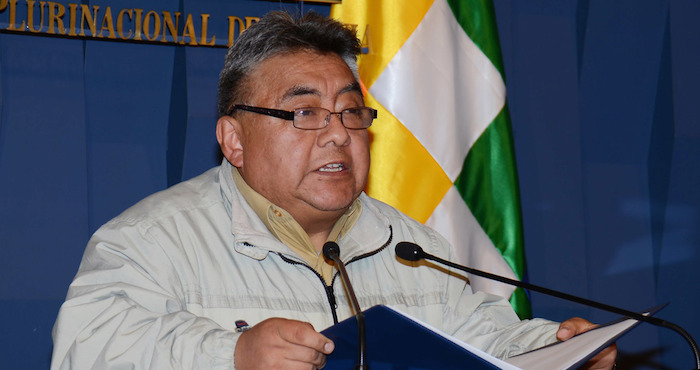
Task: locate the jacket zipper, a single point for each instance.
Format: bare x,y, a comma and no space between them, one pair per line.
330,295
329,288
372,253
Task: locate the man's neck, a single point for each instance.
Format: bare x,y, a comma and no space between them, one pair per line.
320,228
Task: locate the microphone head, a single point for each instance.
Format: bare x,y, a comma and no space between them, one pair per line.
331,251
409,251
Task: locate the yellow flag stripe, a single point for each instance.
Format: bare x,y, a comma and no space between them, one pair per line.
402,169
390,21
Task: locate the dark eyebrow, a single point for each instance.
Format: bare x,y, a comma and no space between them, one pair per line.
299,91
352,87
305,90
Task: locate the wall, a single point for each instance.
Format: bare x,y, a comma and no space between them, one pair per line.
607,137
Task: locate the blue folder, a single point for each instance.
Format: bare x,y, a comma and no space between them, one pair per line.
396,342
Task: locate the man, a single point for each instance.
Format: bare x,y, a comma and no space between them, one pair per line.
164,284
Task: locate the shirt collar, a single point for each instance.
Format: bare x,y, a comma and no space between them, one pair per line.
285,228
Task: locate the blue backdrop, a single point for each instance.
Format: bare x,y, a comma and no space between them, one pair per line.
602,96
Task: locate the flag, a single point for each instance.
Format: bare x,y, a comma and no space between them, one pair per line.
442,149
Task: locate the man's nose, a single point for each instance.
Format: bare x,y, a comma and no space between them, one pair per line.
334,131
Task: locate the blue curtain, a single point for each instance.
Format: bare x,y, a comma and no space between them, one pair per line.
607,137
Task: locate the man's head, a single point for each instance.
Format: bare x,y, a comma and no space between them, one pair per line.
313,174
279,33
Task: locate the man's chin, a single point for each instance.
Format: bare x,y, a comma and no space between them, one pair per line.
333,208
332,205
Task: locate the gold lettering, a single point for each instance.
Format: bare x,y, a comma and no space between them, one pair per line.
232,22
73,10
250,20
366,43
131,23
13,14
203,41
168,22
56,17
137,23
188,31
30,16
156,25
110,23
120,23
90,18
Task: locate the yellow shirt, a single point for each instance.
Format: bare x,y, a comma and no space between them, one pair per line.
282,225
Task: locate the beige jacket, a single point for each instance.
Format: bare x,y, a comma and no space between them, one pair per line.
161,285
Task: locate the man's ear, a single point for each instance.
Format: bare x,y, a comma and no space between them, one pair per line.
227,133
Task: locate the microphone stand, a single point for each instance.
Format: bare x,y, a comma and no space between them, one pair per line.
332,252
412,252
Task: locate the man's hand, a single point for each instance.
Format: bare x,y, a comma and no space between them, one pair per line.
603,360
282,344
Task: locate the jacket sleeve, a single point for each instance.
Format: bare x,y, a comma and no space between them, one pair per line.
126,308
488,321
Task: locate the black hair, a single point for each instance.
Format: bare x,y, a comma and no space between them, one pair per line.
277,33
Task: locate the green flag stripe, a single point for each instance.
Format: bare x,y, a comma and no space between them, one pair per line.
478,19
521,304
488,184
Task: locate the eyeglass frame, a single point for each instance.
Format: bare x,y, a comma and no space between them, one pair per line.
289,115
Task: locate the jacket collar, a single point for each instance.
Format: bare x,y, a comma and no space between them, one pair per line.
253,239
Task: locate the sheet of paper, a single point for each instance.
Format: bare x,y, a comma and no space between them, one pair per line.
577,350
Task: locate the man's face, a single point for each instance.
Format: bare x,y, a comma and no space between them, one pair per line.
313,174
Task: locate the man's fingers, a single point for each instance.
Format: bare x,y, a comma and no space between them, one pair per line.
604,360
571,327
282,344
303,334
309,346
306,355
574,326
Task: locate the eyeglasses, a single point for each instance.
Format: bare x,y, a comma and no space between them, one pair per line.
315,118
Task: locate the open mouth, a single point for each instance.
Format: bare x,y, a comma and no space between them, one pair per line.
332,167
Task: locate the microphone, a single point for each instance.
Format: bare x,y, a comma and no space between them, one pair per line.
412,252
331,251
